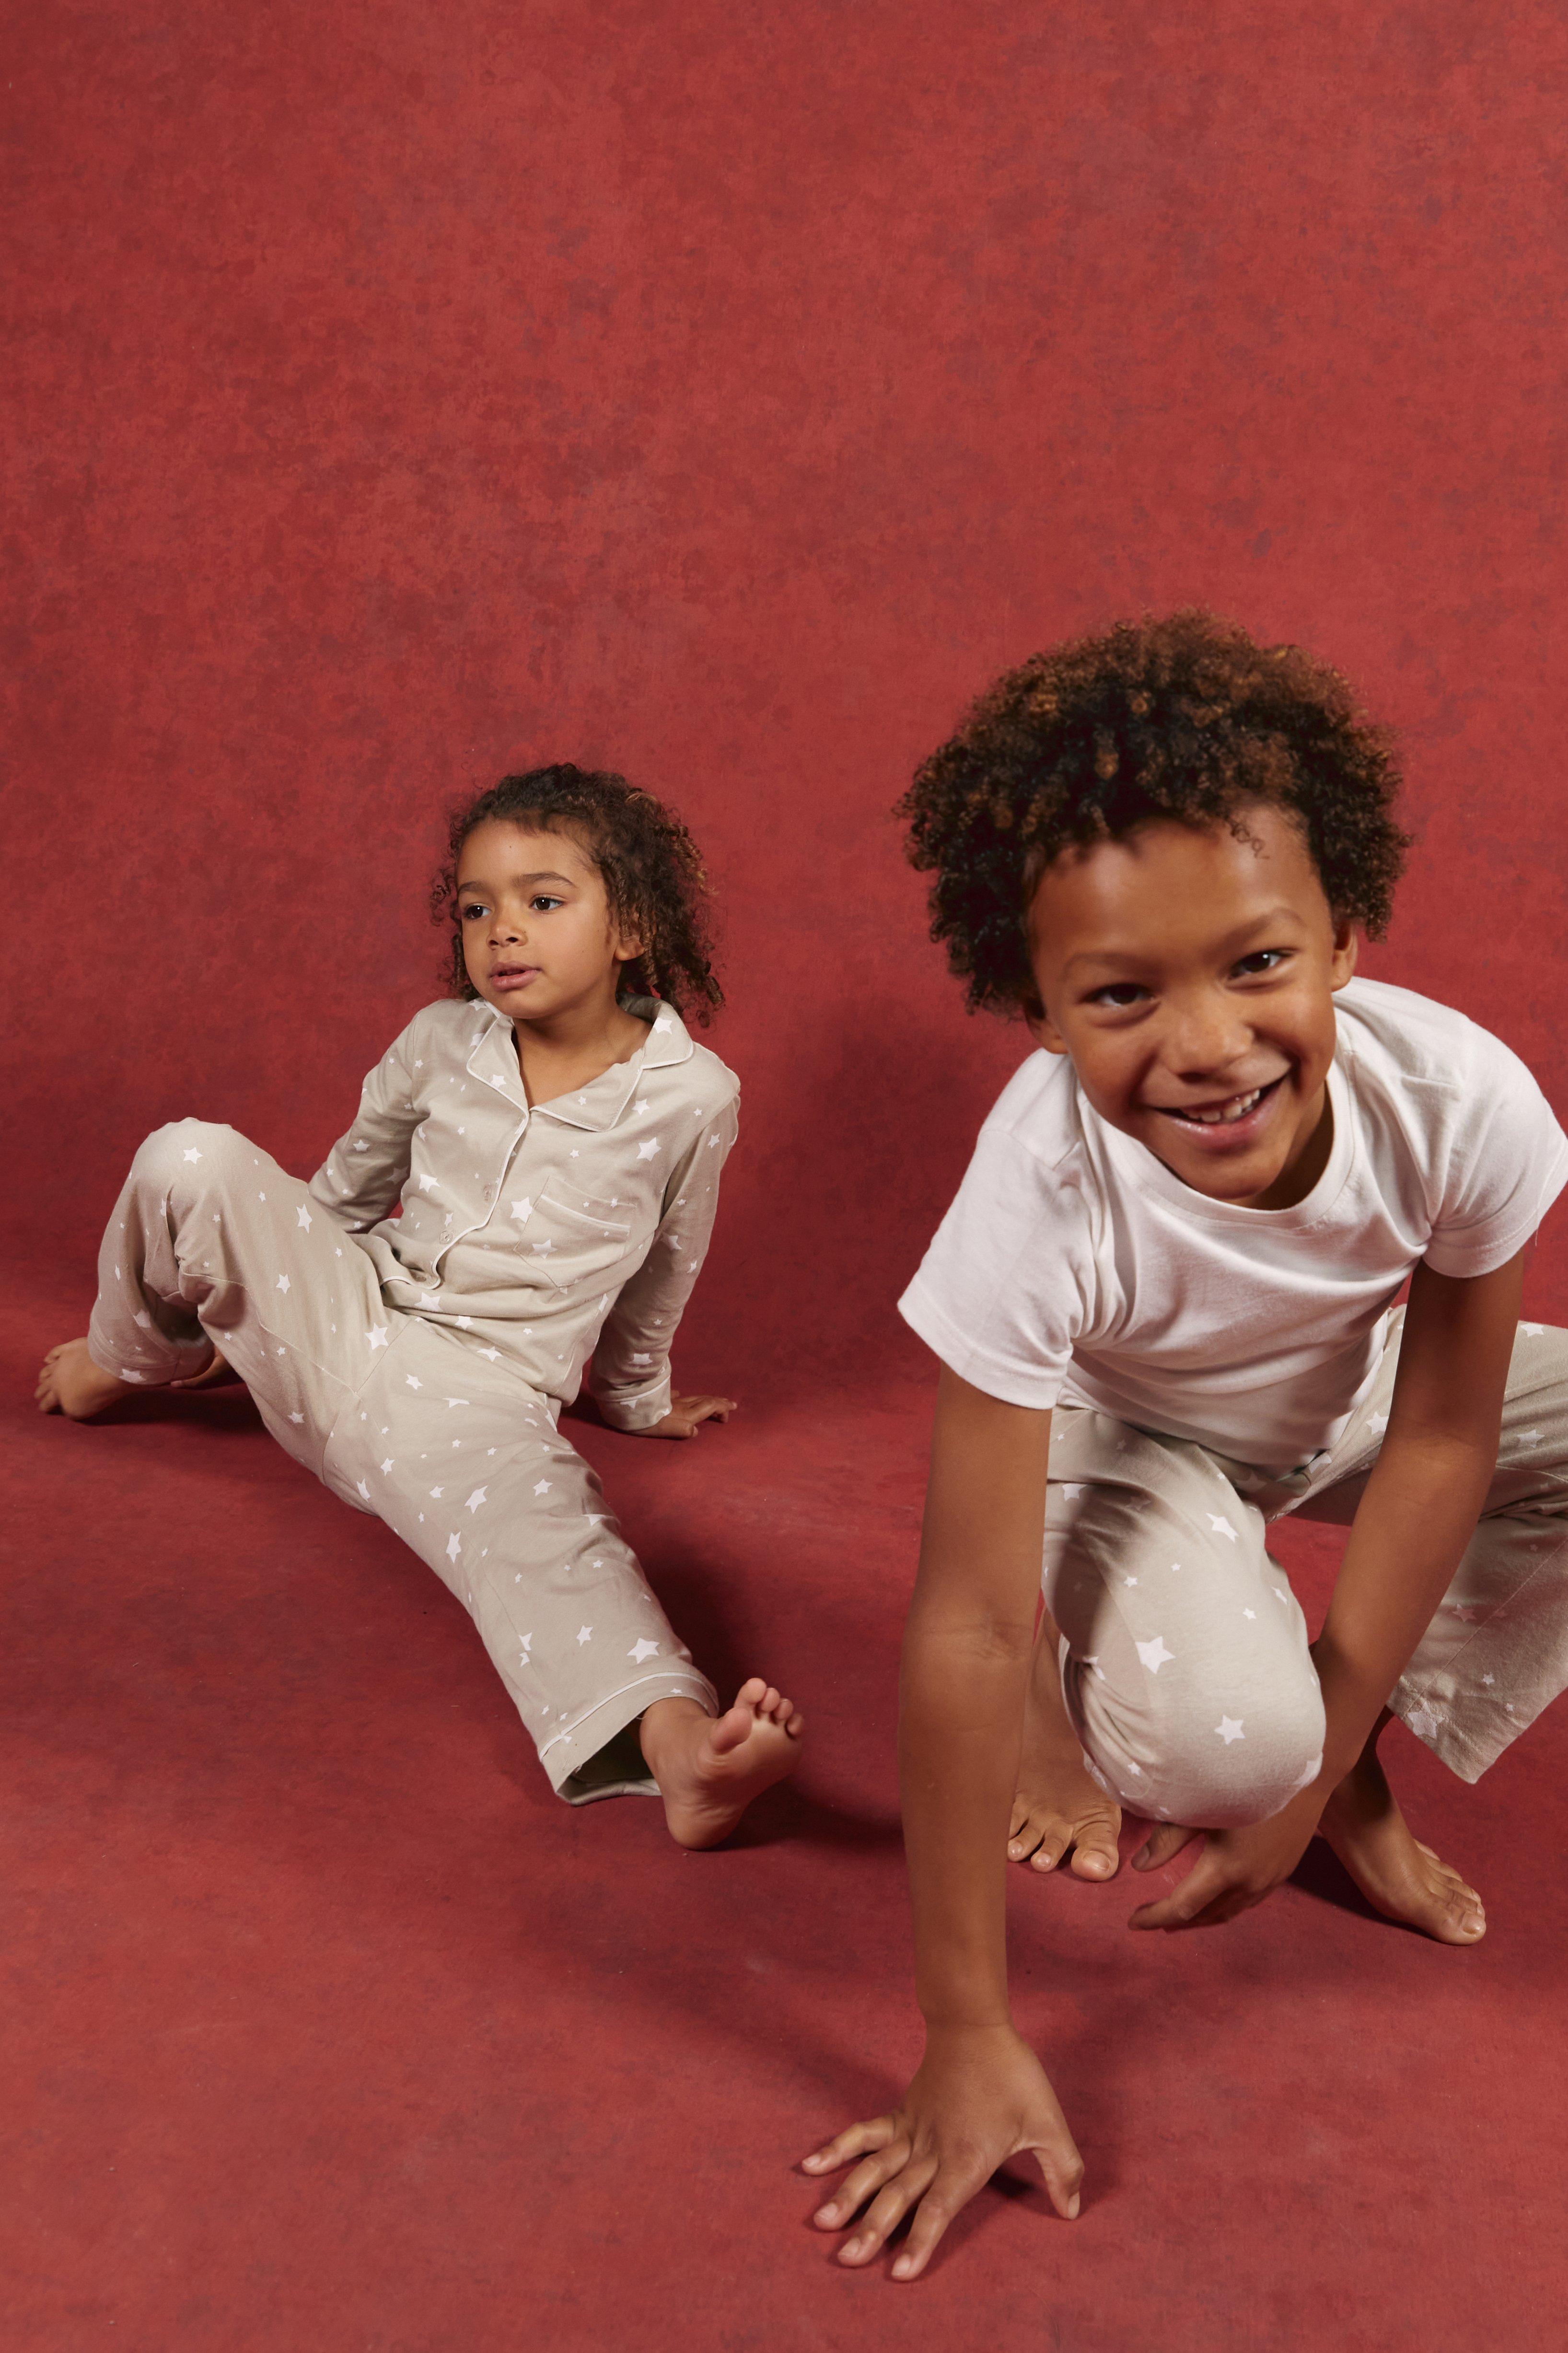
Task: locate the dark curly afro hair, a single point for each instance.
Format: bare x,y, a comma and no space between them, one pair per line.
652,874
1184,718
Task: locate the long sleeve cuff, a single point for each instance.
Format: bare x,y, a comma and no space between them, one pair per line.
638,1409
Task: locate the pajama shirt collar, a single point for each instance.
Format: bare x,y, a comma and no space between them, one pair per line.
492,1060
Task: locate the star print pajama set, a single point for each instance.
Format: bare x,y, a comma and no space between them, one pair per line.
418,1367
1211,1369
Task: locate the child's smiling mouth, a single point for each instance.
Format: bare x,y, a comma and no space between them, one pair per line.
1235,1118
514,975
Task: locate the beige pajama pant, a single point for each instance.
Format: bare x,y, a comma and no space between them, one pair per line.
402,1416
1183,1651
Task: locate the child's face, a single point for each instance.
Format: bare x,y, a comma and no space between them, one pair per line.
538,935
1189,975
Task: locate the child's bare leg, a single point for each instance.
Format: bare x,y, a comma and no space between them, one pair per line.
1404,1878
710,1768
1057,1805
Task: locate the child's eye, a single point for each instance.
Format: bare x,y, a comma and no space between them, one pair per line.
542,904
469,908
1263,960
1119,995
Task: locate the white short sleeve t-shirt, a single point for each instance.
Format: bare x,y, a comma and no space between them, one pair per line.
1074,1267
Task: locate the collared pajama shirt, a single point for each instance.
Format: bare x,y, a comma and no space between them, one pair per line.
550,1233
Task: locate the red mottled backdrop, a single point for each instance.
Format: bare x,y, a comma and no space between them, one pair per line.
400,395
397,395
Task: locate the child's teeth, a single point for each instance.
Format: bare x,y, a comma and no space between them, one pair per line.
1228,1111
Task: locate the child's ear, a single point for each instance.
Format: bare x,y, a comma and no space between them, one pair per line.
1342,962
1041,1027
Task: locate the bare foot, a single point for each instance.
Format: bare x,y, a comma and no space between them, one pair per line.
71,1384
1404,1878
710,1768
1057,1805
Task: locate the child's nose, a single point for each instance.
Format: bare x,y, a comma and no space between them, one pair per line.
1206,1033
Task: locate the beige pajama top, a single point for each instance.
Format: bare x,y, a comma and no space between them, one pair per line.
550,1232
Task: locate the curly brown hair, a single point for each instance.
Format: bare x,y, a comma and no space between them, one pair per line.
1184,718
653,876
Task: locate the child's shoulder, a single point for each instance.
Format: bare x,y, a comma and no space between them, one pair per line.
1039,1111
674,1062
1395,1035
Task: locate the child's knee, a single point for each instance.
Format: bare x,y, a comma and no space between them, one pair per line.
187,1154
1244,1761
1214,1749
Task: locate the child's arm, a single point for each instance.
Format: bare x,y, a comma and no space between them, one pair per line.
364,1172
1417,1515
980,2095
629,1377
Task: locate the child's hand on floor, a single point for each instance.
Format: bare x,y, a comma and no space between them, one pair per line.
686,1414
979,2098
1236,1868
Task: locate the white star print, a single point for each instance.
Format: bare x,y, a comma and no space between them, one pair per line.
1250,1613
641,1650
1072,1489
387,1466
282,1283
527,1642
584,1634
646,1151
1175,1568
1378,1421
426,1183
542,1488
297,1417
522,1211
457,1400
378,1336
664,1022
493,1353
1533,1331
436,1493
1154,1655
454,1545
1130,1581
1221,1526
1489,1679
639,1357
192,1155
474,1499
364,1491
1280,1594
1229,1728
544,1249
412,1382
1423,1722
1530,1438
302,1217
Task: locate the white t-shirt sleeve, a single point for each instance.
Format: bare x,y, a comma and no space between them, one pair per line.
1505,1163
1003,1292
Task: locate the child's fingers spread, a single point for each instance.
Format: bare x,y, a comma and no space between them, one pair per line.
868,2178
888,2212
853,2141
935,2211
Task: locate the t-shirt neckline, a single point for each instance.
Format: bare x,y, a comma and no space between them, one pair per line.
1146,1171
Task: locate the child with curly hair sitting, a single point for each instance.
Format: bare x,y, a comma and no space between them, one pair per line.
1165,1306
552,1139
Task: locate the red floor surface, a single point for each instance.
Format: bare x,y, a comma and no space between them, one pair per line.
332,2029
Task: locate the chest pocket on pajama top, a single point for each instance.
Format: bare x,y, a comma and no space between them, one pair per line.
572,1236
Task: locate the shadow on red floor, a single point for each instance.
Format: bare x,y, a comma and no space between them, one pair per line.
332,2029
